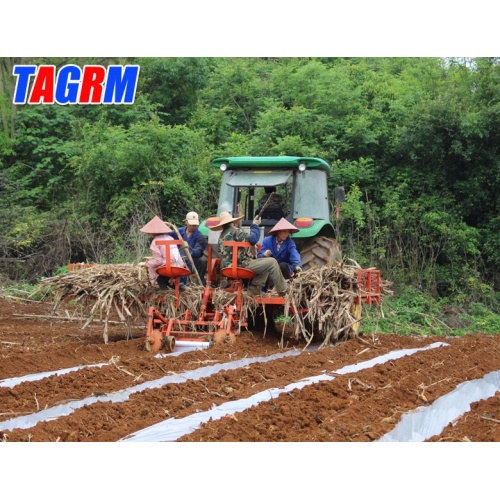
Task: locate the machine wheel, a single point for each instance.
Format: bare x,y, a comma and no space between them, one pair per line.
320,251
169,343
219,336
154,342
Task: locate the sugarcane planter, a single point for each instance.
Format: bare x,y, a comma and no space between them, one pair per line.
322,303
221,315
326,303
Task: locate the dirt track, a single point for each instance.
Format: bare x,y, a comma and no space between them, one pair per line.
360,406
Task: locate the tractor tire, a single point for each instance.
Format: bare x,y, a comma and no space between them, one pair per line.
320,251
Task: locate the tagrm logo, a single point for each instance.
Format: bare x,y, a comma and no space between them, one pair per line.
72,85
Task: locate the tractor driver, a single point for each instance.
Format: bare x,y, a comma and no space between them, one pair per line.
264,268
277,207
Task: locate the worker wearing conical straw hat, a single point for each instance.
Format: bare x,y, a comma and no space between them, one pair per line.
279,245
159,230
263,268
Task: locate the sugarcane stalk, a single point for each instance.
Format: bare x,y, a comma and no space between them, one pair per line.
252,251
265,204
188,253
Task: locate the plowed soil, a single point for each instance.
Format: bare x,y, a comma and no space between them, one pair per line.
359,406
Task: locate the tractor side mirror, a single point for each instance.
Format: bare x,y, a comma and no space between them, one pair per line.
339,194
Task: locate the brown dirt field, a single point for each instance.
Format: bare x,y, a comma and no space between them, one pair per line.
352,407
348,409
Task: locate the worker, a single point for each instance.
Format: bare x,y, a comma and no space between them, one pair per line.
195,242
264,268
159,230
276,208
279,245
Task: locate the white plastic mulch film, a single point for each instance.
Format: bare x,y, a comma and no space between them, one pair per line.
415,426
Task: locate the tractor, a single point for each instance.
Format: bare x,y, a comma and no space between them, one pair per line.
301,181
302,185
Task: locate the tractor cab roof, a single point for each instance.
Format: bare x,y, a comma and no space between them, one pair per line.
272,162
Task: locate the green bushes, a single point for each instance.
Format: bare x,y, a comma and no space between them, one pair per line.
414,140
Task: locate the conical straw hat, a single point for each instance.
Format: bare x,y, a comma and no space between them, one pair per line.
225,218
155,226
283,225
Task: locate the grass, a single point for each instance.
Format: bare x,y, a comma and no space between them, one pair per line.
414,314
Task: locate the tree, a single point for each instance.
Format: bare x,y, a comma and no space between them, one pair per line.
173,83
7,107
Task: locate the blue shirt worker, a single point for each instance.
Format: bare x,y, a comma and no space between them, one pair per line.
279,245
195,241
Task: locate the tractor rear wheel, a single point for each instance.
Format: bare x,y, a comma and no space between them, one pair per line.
320,251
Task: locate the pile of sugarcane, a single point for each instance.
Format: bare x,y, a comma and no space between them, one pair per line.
326,296
109,290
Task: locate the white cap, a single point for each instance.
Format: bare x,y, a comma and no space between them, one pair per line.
192,218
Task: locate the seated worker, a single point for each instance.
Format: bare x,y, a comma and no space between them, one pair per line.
264,268
159,230
279,245
276,208
196,243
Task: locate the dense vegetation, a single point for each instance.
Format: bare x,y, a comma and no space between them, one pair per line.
414,140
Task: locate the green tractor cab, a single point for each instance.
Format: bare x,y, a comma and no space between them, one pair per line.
301,186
